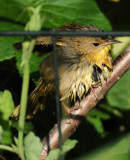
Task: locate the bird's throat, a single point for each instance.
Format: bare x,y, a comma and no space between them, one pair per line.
100,58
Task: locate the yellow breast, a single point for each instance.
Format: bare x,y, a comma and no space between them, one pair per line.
101,57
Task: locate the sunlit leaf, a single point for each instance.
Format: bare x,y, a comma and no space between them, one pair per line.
33,147
119,95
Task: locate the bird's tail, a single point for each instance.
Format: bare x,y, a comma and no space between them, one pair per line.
36,100
34,103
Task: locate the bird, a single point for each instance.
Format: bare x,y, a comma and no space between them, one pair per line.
83,62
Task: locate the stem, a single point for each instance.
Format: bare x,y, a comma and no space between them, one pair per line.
23,109
7,148
24,99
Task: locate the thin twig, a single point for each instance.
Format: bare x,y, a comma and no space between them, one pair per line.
68,126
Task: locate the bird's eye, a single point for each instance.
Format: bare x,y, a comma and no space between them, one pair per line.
96,44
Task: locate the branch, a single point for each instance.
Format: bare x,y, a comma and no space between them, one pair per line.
69,125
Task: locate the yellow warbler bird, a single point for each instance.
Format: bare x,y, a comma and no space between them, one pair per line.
82,63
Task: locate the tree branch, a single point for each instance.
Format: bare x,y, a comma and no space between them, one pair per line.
69,125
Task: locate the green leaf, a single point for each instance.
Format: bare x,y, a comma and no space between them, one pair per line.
53,155
6,108
17,10
56,12
33,147
59,12
119,48
97,123
24,2
6,104
1,133
6,43
67,146
7,136
99,114
116,150
119,95
110,109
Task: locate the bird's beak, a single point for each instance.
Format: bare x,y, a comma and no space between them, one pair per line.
111,41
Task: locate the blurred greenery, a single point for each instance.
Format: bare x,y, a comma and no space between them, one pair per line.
33,147
67,146
6,108
118,149
119,48
6,104
119,95
1,134
108,120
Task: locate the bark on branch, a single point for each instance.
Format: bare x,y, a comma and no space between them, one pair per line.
69,125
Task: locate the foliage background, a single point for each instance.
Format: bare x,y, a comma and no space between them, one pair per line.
109,121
